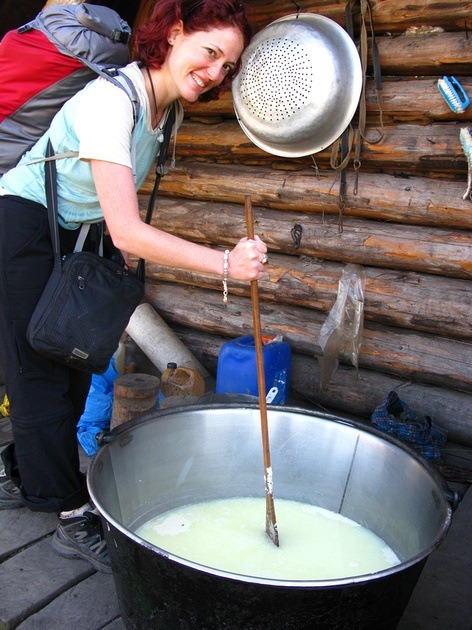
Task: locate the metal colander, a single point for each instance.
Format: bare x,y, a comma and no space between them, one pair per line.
299,85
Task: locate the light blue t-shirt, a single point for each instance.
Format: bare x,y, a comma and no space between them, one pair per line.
111,112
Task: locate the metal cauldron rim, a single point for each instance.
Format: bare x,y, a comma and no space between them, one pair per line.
108,438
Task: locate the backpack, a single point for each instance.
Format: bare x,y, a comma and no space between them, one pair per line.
48,60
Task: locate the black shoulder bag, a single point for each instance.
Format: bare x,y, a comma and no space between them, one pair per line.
88,300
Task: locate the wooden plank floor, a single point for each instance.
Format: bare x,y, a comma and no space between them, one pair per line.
39,589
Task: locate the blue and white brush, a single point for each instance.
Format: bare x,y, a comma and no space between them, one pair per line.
465,135
454,94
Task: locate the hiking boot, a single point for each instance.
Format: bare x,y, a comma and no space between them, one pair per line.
10,496
82,537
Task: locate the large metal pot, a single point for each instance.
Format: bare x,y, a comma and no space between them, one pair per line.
200,453
299,85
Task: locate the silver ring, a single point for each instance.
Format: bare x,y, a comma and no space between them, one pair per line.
265,259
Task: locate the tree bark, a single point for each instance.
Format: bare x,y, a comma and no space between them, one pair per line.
407,200
409,149
403,299
394,17
373,243
425,55
404,100
388,16
417,356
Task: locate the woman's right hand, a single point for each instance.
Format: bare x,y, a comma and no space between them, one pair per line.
246,259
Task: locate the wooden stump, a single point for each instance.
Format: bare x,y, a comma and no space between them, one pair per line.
135,395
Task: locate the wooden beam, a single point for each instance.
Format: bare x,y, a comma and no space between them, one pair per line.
408,149
401,353
382,197
373,243
404,100
389,17
398,298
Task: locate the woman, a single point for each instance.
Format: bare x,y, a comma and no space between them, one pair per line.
188,49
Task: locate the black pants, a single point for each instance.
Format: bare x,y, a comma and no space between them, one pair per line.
46,398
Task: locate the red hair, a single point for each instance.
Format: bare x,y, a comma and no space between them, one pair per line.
150,38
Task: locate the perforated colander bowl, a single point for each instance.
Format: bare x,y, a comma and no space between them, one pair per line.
299,85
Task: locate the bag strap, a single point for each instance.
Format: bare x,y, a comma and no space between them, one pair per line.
50,172
121,80
160,172
84,232
351,139
366,8
51,199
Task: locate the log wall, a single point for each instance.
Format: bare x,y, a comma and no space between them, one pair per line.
408,226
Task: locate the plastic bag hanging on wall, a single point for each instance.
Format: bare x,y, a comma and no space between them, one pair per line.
343,329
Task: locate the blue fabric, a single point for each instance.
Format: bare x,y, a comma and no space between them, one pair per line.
98,407
394,417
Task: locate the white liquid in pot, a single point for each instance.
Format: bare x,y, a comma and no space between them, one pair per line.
229,534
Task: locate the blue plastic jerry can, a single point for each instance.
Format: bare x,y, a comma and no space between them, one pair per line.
237,368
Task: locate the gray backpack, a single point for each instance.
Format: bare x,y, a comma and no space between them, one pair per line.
95,36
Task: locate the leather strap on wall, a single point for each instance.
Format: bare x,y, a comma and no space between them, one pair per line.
352,137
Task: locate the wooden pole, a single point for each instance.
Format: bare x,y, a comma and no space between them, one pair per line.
271,524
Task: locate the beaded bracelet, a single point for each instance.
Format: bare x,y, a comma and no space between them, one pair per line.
225,275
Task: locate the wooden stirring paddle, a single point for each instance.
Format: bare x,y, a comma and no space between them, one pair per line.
271,524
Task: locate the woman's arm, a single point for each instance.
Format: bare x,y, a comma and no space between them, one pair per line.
118,200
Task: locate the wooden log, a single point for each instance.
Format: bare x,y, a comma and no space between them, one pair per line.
404,100
417,356
413,248
354,392
407,200
398,298
394,17
413,101
445,53
409,149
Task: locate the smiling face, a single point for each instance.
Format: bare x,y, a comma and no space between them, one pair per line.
199,61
